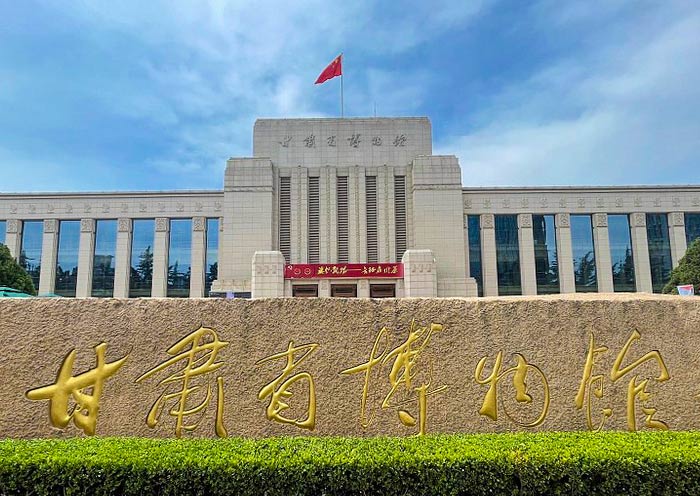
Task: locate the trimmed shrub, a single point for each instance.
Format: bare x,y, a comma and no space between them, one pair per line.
548,463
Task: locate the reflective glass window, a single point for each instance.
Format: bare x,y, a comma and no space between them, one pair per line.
474,236
30,252
3,228
67,257
180,258
659,243
544,233
103,260
507,255
141,277
621,253
212,258
692,227
583,251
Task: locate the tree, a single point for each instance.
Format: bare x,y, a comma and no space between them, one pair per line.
12,274
688,270
145,266
585,272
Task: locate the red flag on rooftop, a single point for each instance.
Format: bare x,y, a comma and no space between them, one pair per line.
334,69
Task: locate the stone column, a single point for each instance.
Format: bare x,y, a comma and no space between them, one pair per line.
199,254
526,243
13,236
324,288
419,274
86,252
640,252
363,288
489,269
565,257
49,249
603,259
160,258
679,244
267,275
122,259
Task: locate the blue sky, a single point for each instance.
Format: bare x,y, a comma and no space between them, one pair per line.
126,95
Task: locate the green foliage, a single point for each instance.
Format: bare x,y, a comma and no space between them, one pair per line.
688,270
12,274
648,463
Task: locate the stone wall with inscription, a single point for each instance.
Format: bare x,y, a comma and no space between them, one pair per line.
342,142
207,368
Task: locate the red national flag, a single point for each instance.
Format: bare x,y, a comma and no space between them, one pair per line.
334,69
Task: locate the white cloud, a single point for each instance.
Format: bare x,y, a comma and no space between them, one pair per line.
621,113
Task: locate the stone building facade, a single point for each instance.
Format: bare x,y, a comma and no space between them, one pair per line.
328,194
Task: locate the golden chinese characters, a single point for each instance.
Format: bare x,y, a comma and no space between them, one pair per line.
403,372
84,412
278,391
519,372
199,352
593,385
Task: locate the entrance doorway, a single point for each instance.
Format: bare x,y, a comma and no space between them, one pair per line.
344,290
305,290
382,290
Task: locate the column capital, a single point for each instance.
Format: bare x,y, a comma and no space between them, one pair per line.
600,220
525,221
562,220
487,221
87,225
676,219
199,224
13,226
162,224
638,219
124,225
51,226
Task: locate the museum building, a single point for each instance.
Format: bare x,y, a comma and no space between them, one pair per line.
350,208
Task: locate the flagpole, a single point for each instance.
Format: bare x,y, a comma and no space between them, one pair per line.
342,106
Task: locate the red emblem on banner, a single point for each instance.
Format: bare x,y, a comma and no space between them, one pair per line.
344,271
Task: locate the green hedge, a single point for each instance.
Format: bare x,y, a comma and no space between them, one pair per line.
552,463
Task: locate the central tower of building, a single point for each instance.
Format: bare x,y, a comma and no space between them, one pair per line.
328,191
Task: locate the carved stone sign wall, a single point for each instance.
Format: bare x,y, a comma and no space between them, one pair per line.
207,368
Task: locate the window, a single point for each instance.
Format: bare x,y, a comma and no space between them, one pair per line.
585,274
372,236
103,259
285,219
67,258
180,258
692,227
141,277
30,252
546,262
659,243
382,290
314,221
400,215
3,229
508,255
212,257
342,215
621,253
474,240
